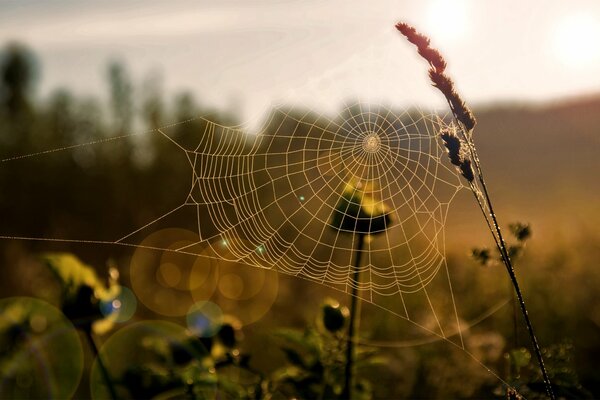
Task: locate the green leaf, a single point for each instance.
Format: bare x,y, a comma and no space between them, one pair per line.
307,340
83,291
233,389
294,357
71,272
520,357
290,373
372,361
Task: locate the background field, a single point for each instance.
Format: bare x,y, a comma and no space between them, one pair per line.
542,165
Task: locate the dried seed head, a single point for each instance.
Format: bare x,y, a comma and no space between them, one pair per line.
457,157
452,143
441,82
461,112
466,170
412,35
434,58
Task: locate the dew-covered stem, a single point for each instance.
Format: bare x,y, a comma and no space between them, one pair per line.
465,161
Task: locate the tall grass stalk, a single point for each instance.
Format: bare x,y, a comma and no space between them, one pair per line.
354,321
463,154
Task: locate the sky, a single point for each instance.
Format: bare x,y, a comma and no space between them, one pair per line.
256,53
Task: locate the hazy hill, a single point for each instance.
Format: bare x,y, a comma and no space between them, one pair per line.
542,164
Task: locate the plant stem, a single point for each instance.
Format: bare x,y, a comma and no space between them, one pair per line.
354,321
466,122
511,272
189,391
515,313
103,370
501,244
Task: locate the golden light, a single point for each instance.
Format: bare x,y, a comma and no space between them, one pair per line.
576,40
446,19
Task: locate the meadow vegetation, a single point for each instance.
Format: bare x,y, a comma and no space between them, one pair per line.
541,161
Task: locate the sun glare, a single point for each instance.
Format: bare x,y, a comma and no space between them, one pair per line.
447,19
576,41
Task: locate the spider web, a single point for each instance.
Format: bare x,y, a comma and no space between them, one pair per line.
268,200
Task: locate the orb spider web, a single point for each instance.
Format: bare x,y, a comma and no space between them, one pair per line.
267,199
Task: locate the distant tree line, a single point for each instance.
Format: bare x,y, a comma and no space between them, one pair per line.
95,190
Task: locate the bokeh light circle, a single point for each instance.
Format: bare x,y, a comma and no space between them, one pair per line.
245,292
204,319
166,267
41,354
121,307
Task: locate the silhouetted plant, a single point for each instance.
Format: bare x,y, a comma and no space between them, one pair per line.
463,153
357,213
83,295
521,233
530,383
317,359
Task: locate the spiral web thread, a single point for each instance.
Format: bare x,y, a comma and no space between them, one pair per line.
267,199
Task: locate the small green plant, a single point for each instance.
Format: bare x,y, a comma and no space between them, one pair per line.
526,379
40,352
84,299
521,233
529,382
191,367
360,214
316,358
194,366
